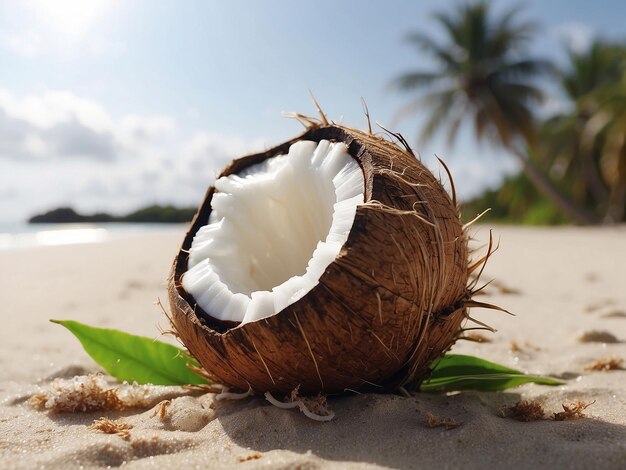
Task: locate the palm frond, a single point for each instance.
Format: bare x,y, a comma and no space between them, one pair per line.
457,118
513,92
416,80
509,110
439,104
476,29
527,68
481,123
506,39
439,52
451,26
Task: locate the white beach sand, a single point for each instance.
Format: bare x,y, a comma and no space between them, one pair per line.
560,283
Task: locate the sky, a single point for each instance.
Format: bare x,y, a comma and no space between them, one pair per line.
112,105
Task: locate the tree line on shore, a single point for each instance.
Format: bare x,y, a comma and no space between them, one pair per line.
150,214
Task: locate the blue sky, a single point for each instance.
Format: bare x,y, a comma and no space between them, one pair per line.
108,105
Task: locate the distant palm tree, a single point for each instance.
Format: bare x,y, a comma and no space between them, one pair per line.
484,79
608,123
568,142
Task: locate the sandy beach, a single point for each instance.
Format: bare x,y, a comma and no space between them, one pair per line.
561,283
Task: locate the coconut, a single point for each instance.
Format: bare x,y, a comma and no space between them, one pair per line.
335,261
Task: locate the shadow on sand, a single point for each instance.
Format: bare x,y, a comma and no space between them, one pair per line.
391,431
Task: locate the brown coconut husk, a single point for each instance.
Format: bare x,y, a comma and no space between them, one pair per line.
391,302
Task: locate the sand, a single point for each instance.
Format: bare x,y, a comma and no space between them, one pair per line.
561,283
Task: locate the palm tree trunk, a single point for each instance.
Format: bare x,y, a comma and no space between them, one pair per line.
592,178
538,179
617,199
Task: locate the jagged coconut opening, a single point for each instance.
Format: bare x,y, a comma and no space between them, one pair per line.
273,230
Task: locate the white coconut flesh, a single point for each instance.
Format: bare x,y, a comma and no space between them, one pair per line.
273,230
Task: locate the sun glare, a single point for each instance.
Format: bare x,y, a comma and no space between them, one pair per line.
71,18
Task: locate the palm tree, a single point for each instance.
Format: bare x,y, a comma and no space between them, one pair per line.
584,143
608,123
483,78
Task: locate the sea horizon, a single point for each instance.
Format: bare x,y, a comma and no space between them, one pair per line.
24,235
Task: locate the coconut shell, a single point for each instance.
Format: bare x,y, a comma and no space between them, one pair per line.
390,303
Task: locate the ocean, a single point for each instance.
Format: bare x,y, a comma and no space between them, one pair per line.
18,236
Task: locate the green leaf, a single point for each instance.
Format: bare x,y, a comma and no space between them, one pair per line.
135,358
459,372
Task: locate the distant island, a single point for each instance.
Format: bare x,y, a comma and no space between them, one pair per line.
150,214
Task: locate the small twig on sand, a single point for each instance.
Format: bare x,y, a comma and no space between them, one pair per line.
524,410
572,410
532,410
606,364
433,421
117,427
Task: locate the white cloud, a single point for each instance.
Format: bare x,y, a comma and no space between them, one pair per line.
60,148
54,107
68,126
27,43
146,127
